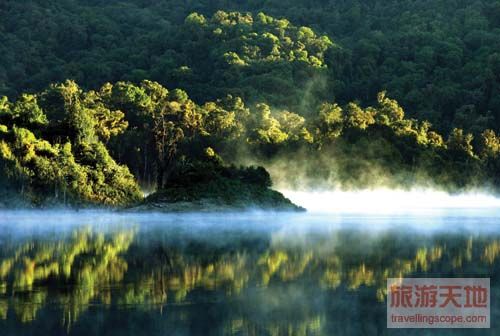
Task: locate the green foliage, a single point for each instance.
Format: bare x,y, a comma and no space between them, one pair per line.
251,56
444,71
460,142
212,186
267,128
172,142
357,117
166,120
490,144
264,39
389,110
24,112
330,121
59,158
287,90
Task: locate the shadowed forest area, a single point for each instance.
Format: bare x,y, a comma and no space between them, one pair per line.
210,99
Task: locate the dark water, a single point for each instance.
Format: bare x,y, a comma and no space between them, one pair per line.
242,274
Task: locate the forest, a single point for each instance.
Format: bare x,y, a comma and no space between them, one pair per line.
106,101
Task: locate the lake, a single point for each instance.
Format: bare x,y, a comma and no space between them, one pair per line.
253,273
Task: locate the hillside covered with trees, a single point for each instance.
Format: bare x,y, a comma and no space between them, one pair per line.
107,98
439,59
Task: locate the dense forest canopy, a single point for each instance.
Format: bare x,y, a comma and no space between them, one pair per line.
439,59
65,141
168,94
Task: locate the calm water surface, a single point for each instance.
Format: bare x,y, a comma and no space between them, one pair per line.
94,273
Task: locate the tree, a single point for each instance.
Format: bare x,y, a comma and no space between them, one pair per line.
168,118
24,112
357,118
330,121
389,111
294,126
460,142
489,144
266,129
53,147
109,123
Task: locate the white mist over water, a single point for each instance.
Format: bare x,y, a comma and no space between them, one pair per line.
389,201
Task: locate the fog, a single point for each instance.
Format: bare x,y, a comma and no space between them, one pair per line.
387,201
373,212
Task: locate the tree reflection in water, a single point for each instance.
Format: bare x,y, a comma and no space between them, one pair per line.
260,283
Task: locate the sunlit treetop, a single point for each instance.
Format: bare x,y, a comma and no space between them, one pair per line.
242,39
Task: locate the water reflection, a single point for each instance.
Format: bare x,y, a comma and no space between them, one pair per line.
156,275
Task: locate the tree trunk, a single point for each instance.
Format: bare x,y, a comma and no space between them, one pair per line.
145,163
160,172
170,166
